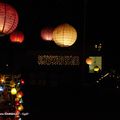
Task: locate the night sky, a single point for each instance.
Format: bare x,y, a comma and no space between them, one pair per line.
96,21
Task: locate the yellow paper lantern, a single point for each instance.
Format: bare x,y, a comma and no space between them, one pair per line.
64,35
13,91
89,61
96,68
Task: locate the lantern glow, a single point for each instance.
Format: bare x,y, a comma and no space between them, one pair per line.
20,107
89,61
17,37
64,35
13,91
47,33
8,19
96,68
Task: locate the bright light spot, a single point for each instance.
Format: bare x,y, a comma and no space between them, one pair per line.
1,89
117,86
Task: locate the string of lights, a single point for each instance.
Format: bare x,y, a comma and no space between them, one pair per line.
11,95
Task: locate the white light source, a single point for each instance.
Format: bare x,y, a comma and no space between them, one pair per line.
1,89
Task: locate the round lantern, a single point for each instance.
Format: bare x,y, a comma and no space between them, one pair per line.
17,37
13,91
47,33
89,61
8,19
64,35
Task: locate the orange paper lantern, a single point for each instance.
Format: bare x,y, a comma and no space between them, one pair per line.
89,61
17,37
8,19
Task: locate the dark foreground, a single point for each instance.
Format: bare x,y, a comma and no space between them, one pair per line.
49,102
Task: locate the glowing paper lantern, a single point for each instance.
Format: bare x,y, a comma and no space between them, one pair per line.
13,91
89,61
17,37
8,19
96,68
47,33
64,35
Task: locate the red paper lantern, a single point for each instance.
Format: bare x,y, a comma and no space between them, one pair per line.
8,19
47,33
17,37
